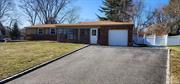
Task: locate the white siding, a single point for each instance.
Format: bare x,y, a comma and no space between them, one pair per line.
154,40
174,40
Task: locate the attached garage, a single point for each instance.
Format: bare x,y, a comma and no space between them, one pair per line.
118,37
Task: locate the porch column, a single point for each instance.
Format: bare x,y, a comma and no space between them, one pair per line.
57,34
78,35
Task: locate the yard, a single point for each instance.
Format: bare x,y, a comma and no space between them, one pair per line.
175,64
18,56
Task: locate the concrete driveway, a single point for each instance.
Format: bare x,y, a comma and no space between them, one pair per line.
103,65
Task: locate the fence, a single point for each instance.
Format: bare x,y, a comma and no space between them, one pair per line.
173,40
154,40
138,39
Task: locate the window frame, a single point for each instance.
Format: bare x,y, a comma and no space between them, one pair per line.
70,34
39,31
52,33
94,32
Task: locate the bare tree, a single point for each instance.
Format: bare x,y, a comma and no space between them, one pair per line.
49,9
30,9
158,23
160,17
142,17
5,8
173,12
45,11
72,16
137,13
173,9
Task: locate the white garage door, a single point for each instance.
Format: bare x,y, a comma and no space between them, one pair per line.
118,37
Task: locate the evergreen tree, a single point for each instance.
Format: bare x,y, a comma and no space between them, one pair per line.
2,29
15,33
117,10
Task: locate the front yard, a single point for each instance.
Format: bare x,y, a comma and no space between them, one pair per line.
18,56
175,65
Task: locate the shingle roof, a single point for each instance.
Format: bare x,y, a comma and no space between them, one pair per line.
104,22
43,26
81,24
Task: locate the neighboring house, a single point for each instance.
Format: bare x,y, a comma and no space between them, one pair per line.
100,32
22,34
156,35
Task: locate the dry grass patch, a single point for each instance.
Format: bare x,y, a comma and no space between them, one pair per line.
18,56
175,64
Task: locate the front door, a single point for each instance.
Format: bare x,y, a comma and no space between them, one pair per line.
94,35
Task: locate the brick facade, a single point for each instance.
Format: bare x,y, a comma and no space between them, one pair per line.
103,33
41,37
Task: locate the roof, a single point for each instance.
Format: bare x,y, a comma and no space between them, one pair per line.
43,26
81,24
105,23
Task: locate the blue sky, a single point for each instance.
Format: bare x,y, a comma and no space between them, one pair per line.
89,8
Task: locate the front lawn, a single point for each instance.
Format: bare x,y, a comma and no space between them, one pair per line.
175,64
18,56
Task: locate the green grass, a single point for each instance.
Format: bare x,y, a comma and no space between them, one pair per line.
175,65
18,56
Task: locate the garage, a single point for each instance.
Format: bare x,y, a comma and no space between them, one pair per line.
118,37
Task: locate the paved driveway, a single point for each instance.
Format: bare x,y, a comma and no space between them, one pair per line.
103,65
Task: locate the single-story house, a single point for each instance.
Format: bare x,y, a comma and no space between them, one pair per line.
99,32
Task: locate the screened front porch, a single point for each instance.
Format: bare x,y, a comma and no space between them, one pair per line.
79,35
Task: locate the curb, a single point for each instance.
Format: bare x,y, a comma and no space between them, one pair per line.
37,67
168,79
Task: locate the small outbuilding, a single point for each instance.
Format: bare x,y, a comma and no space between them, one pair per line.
99,32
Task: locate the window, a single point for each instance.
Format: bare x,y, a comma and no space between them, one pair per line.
60,31
40,31
93,32
86,32
53,31
70,34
